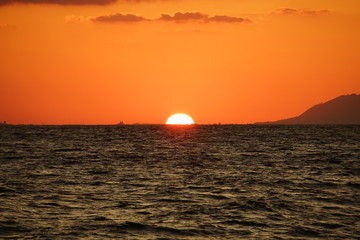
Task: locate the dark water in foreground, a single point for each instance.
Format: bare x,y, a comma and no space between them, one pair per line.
163,182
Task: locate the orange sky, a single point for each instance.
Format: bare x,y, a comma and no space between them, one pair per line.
226,61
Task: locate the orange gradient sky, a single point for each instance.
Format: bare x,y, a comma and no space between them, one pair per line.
228,61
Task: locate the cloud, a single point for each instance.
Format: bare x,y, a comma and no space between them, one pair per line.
69,2
60,2
118,17
181,17
177,18
291,11
228,19
74,19
200,17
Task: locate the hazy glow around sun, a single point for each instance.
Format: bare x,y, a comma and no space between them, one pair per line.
180,119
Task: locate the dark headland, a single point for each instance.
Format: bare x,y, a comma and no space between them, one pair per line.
341,110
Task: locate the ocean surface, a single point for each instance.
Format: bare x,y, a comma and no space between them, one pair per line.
171,182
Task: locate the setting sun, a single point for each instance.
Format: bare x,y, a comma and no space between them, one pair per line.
180,119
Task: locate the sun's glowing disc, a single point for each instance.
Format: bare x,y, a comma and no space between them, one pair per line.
180,119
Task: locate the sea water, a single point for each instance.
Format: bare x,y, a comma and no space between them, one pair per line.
173,182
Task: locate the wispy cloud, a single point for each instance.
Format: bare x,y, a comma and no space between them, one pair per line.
59,2
118,17
183,17
291,11
69,2
228,19
200,17
180,17
74,19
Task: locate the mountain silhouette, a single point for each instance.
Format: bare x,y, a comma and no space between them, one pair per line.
341,110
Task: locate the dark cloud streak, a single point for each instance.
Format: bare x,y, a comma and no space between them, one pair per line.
229,19
200,17
119,18
291,11
180,17
176,18
59,2
68,2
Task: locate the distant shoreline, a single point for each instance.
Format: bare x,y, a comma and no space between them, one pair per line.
163,124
